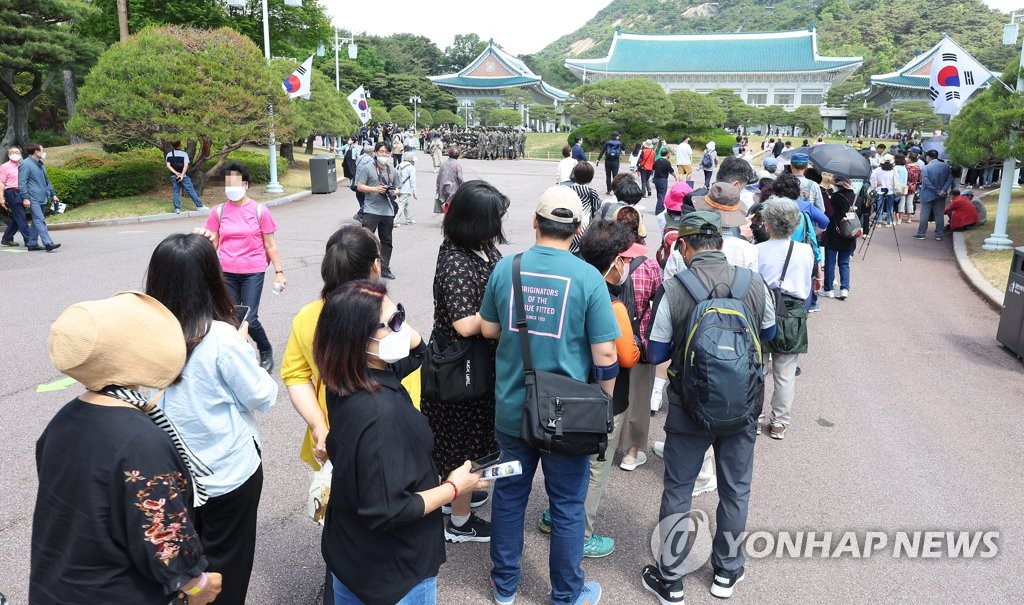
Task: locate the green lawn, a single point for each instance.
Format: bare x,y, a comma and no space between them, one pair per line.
158,201
545,145
995,266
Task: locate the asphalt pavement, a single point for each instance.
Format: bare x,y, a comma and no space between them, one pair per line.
904,419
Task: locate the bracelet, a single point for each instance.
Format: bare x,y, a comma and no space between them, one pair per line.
198,588
451,483
279,272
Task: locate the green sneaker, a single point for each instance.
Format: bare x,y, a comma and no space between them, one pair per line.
544,525
598,546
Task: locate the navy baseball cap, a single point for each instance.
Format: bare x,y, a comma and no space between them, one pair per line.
800,158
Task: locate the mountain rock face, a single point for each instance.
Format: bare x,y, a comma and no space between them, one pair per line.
887,33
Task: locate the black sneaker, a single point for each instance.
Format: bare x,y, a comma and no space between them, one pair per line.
668,594
9,242
474,530
724,583
52,247
918,237
480,497
387,274
267,360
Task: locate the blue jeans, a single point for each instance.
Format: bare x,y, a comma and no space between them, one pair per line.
661,187
424,593
186,184
885,205
18,222
246,289
565,481
38,230
843,257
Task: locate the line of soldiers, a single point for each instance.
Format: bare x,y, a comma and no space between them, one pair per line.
488,143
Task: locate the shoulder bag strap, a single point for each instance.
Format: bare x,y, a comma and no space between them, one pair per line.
785,266
521,325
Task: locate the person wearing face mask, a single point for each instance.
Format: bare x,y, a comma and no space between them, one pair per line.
687,440
242,230
35,191
610,247
11,201
383,527
377,182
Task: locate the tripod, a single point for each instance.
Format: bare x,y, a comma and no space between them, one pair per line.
873,201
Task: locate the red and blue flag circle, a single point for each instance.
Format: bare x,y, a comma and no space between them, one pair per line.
362,105
292,83
949,76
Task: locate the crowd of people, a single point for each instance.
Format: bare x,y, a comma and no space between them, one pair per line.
148,496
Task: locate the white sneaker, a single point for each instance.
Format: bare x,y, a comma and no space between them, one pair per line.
396,225
629,463
827,294
659,449
843,293
656,398
710,486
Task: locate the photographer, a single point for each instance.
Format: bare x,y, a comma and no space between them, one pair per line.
377,182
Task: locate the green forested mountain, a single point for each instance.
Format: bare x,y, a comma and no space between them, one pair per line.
887,33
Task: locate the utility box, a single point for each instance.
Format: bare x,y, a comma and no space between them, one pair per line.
323,176
1011,322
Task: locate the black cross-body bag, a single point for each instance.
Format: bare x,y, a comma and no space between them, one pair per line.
561,415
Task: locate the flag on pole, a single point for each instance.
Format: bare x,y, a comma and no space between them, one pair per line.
954,77
298,84
360,104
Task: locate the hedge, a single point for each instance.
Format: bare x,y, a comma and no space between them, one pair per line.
258,164
87,177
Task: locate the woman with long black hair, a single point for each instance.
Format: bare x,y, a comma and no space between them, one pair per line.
214,403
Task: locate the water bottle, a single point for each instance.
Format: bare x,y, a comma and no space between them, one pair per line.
277,288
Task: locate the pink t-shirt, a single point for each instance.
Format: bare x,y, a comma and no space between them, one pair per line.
241,237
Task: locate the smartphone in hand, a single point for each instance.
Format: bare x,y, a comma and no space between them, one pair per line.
486,461
242,312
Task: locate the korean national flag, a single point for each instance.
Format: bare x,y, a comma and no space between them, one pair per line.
298,84
360,104
955,75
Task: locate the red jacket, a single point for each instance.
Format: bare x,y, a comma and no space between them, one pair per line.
962,212
647,159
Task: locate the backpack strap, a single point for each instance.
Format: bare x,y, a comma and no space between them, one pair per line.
741,283
693,286
521,325
219,211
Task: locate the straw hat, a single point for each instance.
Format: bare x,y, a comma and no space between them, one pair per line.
129,339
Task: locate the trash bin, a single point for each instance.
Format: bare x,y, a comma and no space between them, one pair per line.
1011,322
323,176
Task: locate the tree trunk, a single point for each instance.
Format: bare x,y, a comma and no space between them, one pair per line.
288,153
70,99
122,19
19,107
309,143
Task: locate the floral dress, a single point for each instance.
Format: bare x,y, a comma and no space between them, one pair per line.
462,431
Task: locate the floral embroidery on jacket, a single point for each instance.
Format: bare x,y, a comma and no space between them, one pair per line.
168,532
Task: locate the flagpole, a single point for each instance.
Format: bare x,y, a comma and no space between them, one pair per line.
273,186
1000,239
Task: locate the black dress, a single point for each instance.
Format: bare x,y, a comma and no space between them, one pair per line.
462,431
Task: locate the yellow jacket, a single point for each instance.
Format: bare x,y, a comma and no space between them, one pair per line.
298,367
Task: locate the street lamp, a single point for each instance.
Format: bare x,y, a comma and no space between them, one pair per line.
273,186
415,100
1000,239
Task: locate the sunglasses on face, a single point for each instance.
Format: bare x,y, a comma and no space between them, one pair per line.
396,321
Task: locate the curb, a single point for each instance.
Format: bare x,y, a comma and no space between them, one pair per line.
974,278
134,220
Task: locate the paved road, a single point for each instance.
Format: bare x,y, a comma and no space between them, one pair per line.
904,420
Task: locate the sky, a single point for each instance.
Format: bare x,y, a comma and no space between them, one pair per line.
519,26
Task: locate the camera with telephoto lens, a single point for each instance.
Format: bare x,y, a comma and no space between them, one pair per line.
392,193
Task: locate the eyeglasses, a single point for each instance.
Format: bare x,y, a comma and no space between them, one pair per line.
396,321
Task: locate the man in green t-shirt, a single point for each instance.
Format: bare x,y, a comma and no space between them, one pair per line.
572,332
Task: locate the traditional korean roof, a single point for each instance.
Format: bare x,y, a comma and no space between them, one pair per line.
644,54
914,74
495,68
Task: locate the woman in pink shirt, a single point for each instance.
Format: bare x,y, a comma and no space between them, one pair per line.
243,233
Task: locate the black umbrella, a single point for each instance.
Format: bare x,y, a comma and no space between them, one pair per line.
938,144
841,161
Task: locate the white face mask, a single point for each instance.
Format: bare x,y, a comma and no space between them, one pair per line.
383,160
42,156
623,276
234,193
395,346
14,157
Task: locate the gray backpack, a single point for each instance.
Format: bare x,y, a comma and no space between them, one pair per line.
718,370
